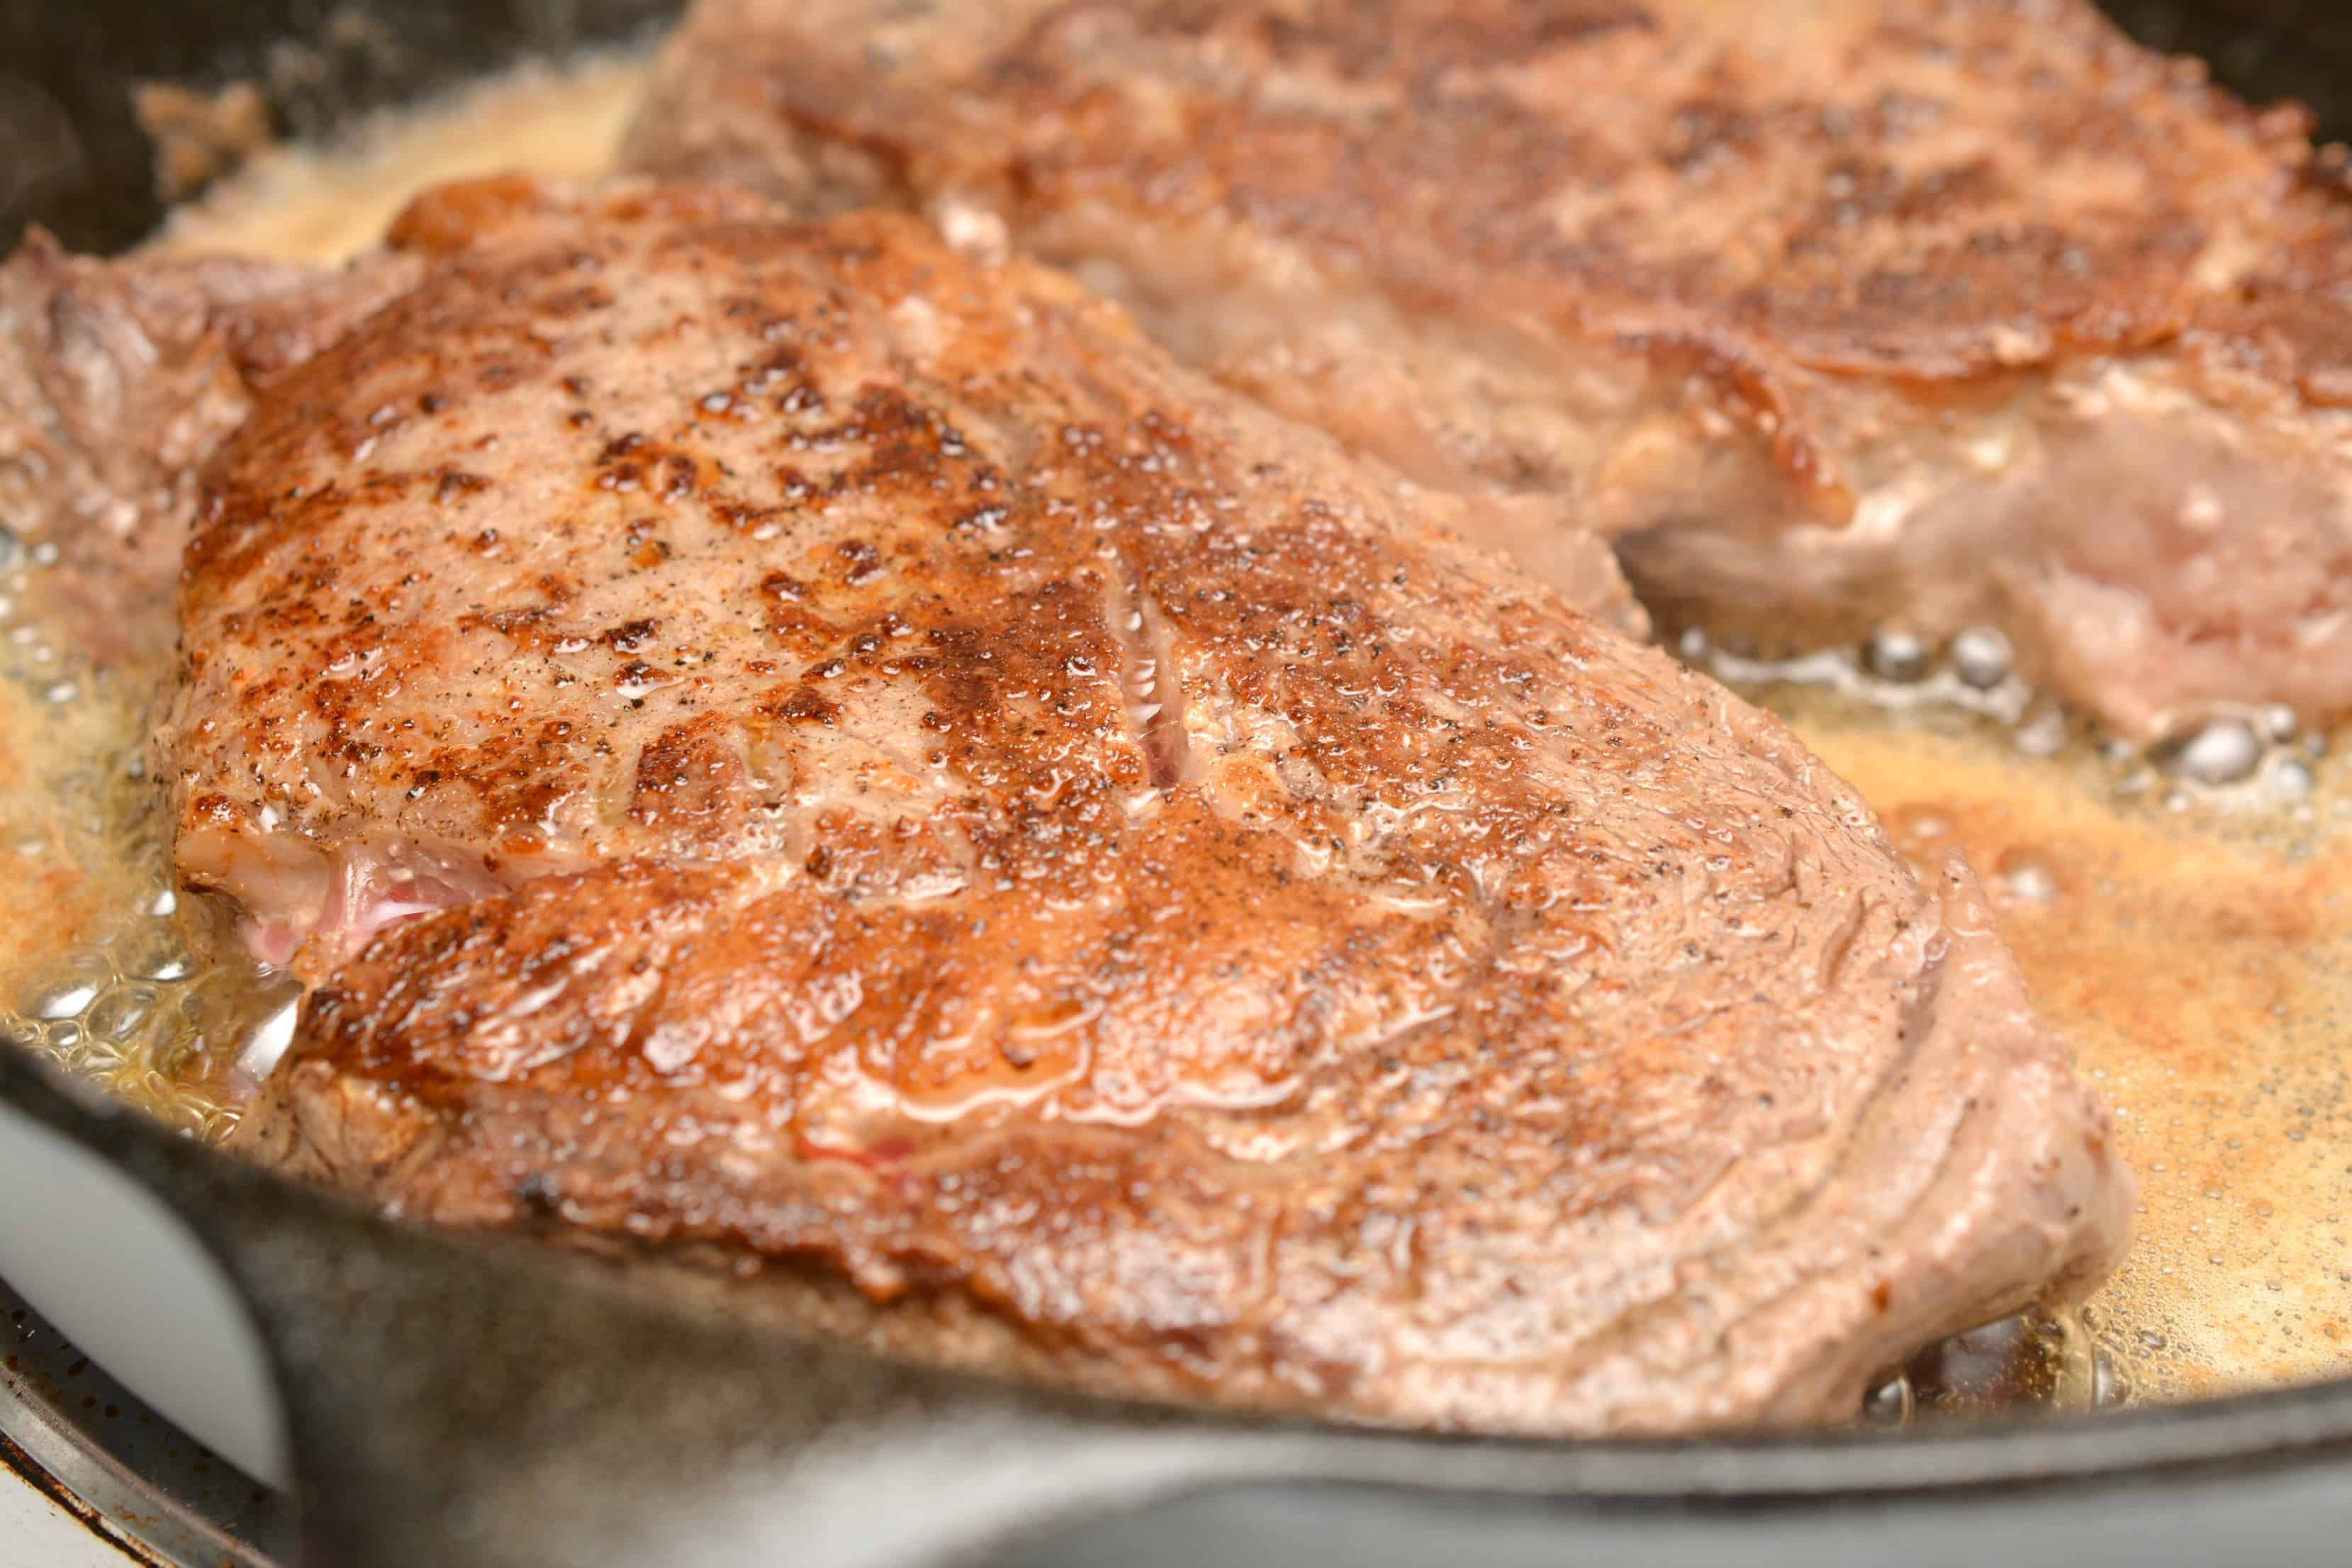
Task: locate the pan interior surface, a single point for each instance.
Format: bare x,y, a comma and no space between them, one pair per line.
2193,941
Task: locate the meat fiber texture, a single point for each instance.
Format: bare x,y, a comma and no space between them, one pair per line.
1917,313
792,748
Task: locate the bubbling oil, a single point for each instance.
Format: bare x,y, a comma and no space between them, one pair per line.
2044,1359
108,968
2183,916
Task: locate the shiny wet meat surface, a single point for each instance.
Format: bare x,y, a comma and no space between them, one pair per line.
784,742
2192,957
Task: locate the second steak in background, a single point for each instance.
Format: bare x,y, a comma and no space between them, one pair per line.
1929,312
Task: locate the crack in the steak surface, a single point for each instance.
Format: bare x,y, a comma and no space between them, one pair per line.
1151,678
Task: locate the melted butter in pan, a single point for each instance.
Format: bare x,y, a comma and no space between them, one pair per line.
2199,956
103,963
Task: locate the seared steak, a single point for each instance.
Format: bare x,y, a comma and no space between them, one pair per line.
789,745
1927,311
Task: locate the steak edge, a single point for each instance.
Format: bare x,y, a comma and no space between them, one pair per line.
876,778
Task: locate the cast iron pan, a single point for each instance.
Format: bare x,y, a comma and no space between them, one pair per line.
483,1406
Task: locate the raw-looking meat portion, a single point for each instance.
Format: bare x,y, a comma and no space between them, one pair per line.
1925,312
953,814
117,380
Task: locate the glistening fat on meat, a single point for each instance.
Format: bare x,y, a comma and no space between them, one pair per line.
1411,1000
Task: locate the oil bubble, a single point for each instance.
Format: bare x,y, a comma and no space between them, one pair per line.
1981,656
2222,752
1897,656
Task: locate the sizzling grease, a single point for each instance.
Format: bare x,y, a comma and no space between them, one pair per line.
2196,947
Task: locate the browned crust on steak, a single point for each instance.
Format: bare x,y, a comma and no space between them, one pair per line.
1100,862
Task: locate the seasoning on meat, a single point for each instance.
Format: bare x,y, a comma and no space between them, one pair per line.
786,745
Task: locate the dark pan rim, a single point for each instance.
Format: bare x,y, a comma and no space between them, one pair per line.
106,1458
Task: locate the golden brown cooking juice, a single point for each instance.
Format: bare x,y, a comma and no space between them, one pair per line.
2195,944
